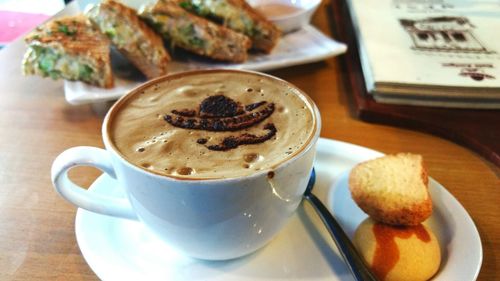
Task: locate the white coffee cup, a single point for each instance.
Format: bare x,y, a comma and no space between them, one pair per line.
214,219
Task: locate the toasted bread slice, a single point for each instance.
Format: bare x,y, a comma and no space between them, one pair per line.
239,16
131,36
69,48
194,33
392,189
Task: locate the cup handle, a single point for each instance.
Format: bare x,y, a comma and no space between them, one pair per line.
91,201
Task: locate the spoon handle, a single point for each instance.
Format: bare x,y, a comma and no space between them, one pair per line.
351,256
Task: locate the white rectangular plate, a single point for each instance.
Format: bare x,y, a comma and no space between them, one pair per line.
303,46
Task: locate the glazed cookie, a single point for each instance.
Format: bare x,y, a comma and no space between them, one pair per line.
398,253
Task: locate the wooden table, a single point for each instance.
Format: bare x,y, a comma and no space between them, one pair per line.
37,239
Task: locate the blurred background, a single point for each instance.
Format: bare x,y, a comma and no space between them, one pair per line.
17,17
20,16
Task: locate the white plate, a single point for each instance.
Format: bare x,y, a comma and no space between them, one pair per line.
118,249
300,47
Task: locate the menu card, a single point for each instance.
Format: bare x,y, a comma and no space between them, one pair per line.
430,52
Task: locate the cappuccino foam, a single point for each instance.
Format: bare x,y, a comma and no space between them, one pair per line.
212,125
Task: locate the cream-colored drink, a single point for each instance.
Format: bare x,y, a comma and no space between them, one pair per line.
222,124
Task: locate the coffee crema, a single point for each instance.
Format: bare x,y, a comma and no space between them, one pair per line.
206,125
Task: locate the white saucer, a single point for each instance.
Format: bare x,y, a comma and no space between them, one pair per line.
118,249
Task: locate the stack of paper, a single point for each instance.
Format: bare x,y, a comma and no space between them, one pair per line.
430,52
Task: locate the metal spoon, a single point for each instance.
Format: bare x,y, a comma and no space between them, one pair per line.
354,261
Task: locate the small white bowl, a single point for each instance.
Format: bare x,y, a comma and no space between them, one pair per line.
288,15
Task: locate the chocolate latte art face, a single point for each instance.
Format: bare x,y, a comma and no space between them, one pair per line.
206,125
221,114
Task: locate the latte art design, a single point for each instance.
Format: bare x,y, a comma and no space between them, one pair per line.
220,114
221,124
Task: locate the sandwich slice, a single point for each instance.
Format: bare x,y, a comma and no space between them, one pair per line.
131,36
69,48
194,33
237,15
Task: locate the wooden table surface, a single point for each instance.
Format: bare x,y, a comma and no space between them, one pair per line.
37,239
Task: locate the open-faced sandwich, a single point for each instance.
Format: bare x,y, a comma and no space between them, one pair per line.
69,48
131,36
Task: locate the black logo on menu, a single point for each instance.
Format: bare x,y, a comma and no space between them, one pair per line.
475,71
444,34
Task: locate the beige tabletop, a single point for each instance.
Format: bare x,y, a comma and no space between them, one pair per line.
37,236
